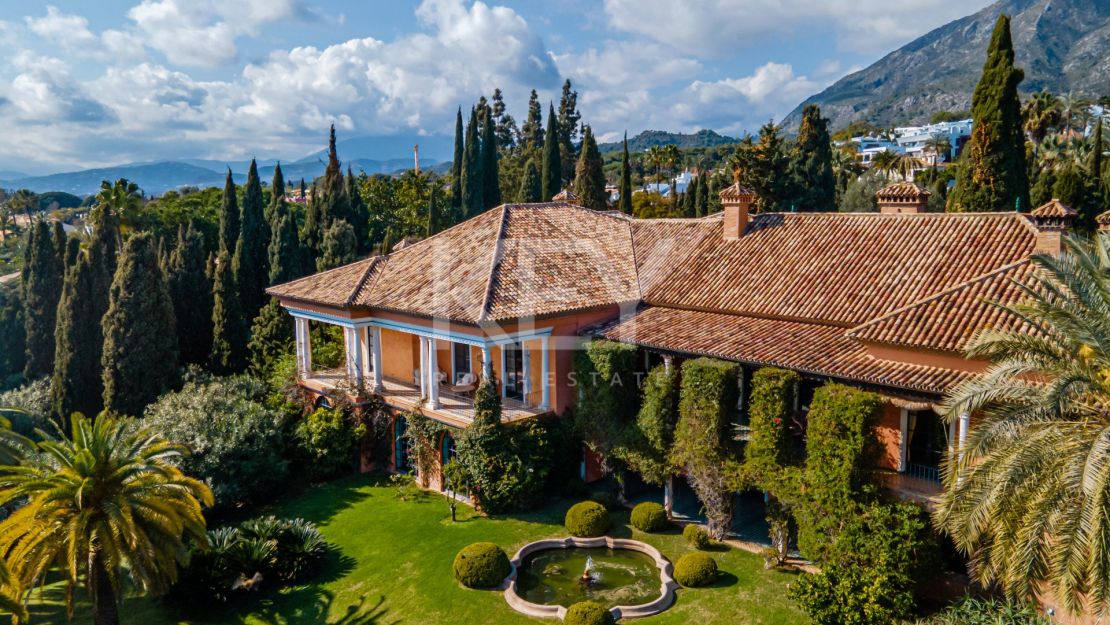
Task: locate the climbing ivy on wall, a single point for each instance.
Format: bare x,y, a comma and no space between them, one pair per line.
608,395
651,436
423,435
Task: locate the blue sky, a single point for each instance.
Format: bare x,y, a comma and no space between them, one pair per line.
88,84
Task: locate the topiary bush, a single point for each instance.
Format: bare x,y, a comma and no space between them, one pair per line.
482,565
587,519
696,536
649,517
588,613
695,569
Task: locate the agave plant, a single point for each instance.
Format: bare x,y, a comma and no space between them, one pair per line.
301,550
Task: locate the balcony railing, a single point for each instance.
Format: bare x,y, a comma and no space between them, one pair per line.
923,472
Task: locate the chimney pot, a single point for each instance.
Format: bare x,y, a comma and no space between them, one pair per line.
902,198
737,202
1053,221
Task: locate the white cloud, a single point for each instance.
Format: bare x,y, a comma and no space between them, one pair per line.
61,28
719,27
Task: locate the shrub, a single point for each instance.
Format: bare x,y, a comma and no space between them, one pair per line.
326,444
649,517
971,611
587,519
588,613
33,399
608,397
696,536
236,441
605,498
649,440
695,569
482,565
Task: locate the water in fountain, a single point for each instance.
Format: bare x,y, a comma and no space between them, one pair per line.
610,577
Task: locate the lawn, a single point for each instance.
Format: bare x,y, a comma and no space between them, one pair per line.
394,568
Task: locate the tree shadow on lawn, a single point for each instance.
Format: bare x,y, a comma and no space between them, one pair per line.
724,580
311,605
319,503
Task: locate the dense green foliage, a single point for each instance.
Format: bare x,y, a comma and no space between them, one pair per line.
77,383
589,179
237,443
229,326
552,171
588,613
992,174
229,217
624,204
770,408
696,536
481,565
695,569
587,519
604,374
251,261
707,407
812,163
423,435
140,333
647,444
42,288
326,444
191,292
972,611
649,517
13,345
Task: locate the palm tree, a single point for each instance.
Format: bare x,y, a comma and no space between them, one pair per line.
26,201
886,162
940,145
1040,114
671,156
105,500
124,197
1074,110
10,596
1027,497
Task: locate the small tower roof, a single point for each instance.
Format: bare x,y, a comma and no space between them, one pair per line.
903,192
1054,209
735,192
566,195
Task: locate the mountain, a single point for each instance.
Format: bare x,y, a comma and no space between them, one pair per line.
652,138
1063,45
434,147
152,178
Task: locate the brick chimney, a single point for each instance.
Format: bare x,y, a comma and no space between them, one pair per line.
1053,221
737,202
902,198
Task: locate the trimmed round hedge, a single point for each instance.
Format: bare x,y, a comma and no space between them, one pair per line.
587,519
649,517
695,569
588,613
482,565
696,536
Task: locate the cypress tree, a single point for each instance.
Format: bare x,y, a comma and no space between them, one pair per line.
992,174
277,206
457,164
229,327
42,288
433,215
312,233
77,382
59,238
13,345
568,127
190,291
229,216
491,186
335,205
140,337
1043,189
625,202
73,251
103,252
1097,196
531,189
338,248
473,192
360,214
701,203
286,261
811,166
552,175
250,261
689,199
532,130
1094,166
271,337
589,178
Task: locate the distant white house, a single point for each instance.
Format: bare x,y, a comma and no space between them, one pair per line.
913,140
681,181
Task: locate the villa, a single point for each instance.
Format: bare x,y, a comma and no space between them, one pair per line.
884,301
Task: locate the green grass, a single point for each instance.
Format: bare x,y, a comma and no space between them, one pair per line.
394,568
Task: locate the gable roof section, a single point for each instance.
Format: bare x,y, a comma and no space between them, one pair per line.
841,269
335,287
948,320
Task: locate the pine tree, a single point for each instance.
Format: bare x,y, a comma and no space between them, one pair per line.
42,288
190,291
589,179
532,130
457,164
140,338
701,203
229,327
473,180
491,187
625,202
811,164
552,175
286,260
277,206
992,174
229,216
360,215
76,385
504,125
339,247
250,261
568,127
531,189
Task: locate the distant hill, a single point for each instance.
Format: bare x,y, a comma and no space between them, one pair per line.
652,138
1063,45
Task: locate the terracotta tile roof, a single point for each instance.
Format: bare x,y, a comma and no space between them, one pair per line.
511,261
807,347
564,195
838,268
948,320
663,244
902,192
1054,208
735,192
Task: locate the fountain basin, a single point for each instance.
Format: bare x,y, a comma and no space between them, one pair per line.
631,578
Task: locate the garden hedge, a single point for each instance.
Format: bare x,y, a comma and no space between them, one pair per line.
588,613
482,565
649,517
587,519
696,536
695,569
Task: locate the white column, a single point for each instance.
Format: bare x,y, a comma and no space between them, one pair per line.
668,496
504,374
487,364
353,350
304,346
376,354
903,435
423,374
364,351
545,383
668,362
526,372
965,419
433,370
